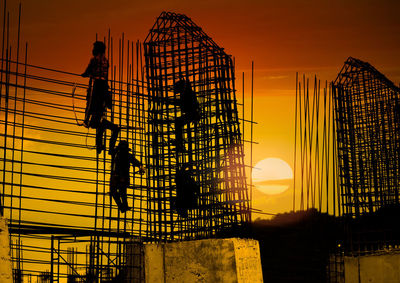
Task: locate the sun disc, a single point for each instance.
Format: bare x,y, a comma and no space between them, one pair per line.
272,175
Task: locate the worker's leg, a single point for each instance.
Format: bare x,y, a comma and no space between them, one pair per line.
99,138
124,198
114,134
96,109
116,196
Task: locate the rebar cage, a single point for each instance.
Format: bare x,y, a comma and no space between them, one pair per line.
64,225
367,124
176,49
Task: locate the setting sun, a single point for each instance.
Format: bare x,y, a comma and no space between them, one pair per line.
272,176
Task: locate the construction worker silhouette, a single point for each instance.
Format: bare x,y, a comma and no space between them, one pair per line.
189,107
120,166
99,98
187,192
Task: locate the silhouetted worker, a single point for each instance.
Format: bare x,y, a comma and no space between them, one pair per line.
187,191
99,98
120,166
190,109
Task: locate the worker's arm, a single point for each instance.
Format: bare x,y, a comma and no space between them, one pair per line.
136,163
89,69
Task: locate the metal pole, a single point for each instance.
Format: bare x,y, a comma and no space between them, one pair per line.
52,260
251,139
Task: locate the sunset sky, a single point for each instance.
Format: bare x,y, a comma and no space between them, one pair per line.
281,37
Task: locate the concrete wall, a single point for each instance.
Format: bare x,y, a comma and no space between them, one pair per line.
382,268
211,260
5,258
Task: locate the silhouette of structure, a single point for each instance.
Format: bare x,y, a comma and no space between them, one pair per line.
347,158
176,49
55,188
347,142
367,118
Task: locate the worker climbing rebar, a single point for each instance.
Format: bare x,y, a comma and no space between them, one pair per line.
120,179
99,98
190,110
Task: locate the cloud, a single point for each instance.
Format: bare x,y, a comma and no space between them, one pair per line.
276,77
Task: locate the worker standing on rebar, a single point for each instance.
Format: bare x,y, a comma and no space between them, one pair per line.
120,179
189,107
99,98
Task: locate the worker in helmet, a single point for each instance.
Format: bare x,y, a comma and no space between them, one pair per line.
120,178
99,98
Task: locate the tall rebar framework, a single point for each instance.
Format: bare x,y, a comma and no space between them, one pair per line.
175,49
55,192
367,118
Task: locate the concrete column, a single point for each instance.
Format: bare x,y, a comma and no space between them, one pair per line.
373,268
211,260
5,256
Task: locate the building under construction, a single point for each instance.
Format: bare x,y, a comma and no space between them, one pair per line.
347,158
55,188
367,113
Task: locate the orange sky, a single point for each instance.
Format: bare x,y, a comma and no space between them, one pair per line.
282,37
